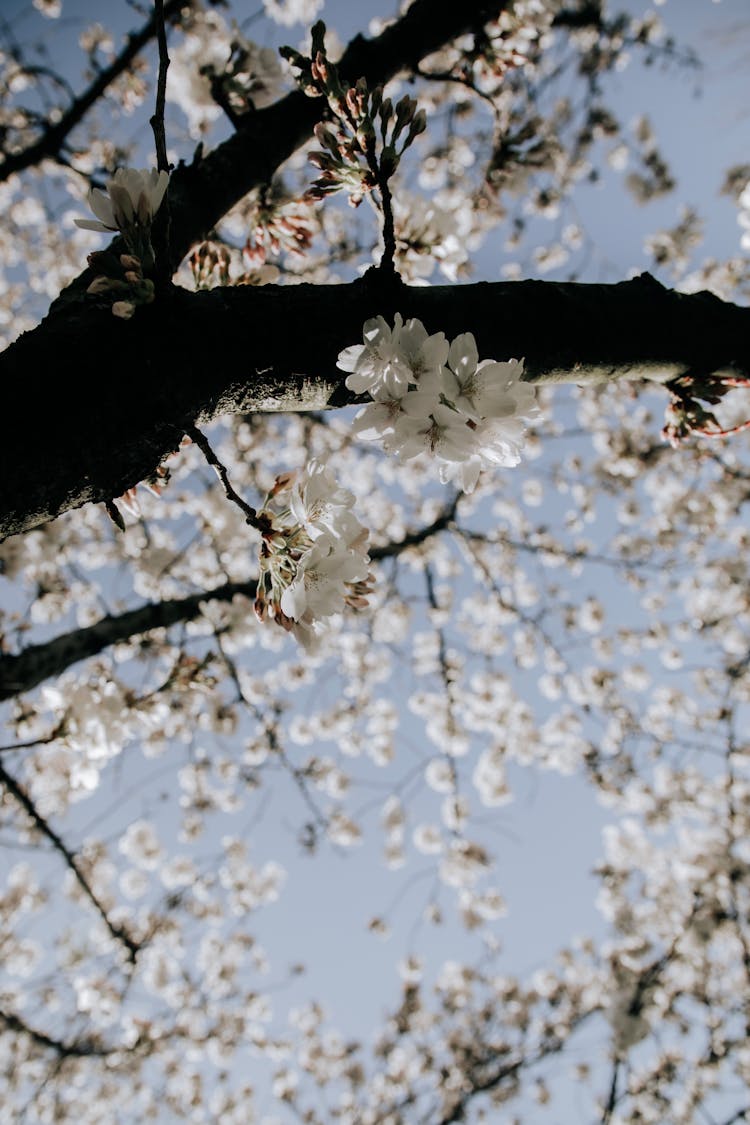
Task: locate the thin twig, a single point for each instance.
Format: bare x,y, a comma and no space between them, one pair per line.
250,514
16,790
32,742
609,1109
157,121
162,224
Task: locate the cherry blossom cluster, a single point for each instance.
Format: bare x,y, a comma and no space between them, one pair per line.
129,204
313,557
433,396
132,198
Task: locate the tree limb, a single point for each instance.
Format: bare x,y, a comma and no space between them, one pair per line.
122,400
38,663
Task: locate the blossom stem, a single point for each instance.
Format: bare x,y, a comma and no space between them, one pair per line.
250,514
722,433
389,234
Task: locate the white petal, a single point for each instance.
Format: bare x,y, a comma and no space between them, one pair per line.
294,599
90,224
101,205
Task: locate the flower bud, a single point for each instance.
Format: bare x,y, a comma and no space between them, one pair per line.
123,309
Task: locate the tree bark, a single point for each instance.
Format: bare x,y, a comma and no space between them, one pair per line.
93,404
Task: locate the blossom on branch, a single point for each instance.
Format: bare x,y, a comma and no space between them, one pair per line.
132,198
433,397
313,558
392,359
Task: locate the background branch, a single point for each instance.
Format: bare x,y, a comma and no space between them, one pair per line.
53,138
38,663
42,825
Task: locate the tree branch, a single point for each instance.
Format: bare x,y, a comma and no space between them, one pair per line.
38,663
122,401
19,794
78,1048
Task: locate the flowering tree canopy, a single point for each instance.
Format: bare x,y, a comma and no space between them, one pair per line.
344,559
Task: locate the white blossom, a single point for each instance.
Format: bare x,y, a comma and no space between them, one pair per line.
391,359
132,198
318,588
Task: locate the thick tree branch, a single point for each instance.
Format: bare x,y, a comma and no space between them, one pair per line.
125,392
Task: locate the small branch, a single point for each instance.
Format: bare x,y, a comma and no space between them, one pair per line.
157,121
609,1108
33,742
414,538
79,1048
16,790
386,263
250,514
297,775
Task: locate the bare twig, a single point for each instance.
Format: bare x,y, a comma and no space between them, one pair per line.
17,791
609,1108
250,514
162,223
157,121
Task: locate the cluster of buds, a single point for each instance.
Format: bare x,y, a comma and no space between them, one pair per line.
685,416
209,265
278,227
369,135
122,278
313,557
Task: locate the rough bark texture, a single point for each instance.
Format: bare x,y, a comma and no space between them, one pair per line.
93,404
